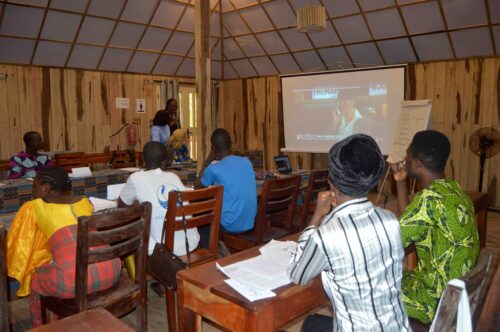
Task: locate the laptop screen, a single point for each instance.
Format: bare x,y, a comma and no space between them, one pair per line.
283,164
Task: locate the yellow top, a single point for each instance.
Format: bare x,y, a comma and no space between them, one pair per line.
27,238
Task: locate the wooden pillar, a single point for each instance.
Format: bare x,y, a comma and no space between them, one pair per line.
203,95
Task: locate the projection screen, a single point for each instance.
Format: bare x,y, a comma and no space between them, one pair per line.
322,108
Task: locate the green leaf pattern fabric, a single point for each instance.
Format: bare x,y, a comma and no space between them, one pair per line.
440,221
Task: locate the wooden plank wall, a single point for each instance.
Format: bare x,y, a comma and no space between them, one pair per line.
72,109
465,97
75,110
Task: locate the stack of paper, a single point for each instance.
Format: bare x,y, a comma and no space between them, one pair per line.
101,204
113,190
255,278
283,247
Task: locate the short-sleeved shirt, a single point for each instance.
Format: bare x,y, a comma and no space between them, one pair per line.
440,221
153,186
26,165
239,205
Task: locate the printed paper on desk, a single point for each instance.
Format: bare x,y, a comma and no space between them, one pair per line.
279,247
114,190
102,204
249,293
263,273
81,172
130,169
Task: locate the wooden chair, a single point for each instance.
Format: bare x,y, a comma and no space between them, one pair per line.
97,160
4,165
114,233
318,181
490,315
123,158
200,207
4,308
70,160
274,216
476,284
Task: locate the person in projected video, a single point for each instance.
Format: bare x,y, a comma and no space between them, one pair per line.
347,117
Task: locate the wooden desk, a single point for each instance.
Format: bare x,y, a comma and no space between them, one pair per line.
92,320
203,292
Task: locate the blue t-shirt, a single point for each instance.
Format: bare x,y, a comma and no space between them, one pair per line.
239,206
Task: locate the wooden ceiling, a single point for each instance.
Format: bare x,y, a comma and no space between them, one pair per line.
249,38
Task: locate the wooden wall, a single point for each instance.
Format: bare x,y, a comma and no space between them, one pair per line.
75,110
465,97
72,109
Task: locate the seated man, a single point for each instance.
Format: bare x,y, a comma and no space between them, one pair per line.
236,175
27,163
439,220
355,246
153,185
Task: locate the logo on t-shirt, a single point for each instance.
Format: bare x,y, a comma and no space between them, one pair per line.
162,193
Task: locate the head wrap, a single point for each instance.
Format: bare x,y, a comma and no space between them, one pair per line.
356,165
178,138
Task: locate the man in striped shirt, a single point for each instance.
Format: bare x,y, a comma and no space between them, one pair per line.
354,245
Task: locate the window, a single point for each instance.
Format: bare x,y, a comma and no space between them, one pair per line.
187,113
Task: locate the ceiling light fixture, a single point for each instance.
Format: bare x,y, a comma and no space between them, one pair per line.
311,18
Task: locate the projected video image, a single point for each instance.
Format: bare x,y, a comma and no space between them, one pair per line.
322,109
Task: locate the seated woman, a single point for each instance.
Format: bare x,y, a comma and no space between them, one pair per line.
178,141
41,243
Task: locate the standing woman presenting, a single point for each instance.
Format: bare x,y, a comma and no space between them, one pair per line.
174,121
160,131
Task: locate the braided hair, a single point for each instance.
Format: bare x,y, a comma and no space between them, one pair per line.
56,177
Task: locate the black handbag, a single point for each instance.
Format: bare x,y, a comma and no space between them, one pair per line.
163,264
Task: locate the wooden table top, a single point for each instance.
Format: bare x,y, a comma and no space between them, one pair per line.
207,276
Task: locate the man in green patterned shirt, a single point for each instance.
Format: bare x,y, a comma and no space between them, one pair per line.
439,221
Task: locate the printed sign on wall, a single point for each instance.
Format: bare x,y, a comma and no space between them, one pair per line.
141,105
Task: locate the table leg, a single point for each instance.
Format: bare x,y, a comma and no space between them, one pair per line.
187,320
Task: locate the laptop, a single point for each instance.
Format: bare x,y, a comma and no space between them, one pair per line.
284,166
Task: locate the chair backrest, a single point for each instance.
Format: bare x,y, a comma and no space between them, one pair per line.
490,315
278,199
113,233
4,312
318,181
70,160
123,158
97,160
476,282
199,207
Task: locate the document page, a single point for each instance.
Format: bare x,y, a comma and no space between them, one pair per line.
264,272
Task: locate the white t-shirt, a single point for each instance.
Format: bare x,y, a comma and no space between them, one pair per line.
153,186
